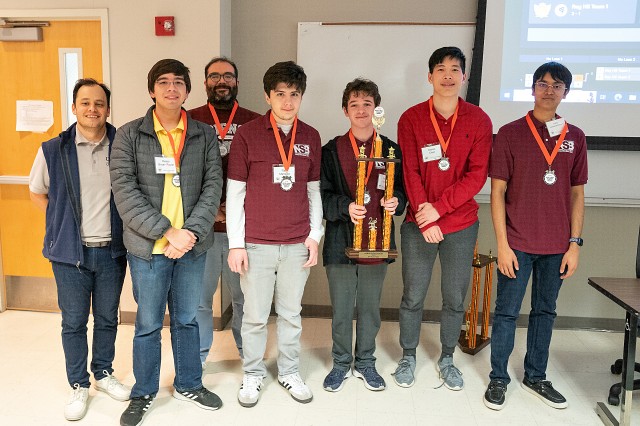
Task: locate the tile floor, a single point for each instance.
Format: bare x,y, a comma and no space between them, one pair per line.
34,390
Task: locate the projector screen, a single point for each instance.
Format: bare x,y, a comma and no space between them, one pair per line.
599,41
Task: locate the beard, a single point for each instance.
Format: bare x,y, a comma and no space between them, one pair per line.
222,101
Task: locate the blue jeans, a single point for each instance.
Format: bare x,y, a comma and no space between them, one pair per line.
157,283
545,287
359,285
418,257
96,284
215,266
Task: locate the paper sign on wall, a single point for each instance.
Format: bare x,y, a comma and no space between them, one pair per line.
34,116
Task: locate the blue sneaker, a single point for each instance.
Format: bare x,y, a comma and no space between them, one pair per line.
372,380
335,379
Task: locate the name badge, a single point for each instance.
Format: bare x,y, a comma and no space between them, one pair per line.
279,173
165,165
382,182
555,126
431,152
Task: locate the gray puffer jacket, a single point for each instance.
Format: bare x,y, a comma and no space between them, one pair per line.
138,189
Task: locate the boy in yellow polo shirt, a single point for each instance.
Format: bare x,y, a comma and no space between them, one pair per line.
166,176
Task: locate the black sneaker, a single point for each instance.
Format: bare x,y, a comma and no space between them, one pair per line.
494,396
135,412
545,391
202,397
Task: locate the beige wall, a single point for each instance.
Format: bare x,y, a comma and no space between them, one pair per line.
266,32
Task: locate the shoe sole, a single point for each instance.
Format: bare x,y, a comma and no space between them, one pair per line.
178,395
76,417
453,388
556,405
301,401
359,375
491,405
347,374
117,398
247,404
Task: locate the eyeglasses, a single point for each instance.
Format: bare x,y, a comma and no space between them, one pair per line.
557,87
215,77
165,84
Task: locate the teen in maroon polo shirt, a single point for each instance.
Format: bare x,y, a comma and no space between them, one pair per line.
445,144
274,223
223,113
538,172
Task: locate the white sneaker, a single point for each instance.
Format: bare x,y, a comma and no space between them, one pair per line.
249,390
112,387
77,405
296,387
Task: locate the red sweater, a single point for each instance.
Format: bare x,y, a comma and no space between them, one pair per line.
451,192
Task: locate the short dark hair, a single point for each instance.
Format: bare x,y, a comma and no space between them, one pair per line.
558,72
363,87
439,55
287,72
168,66
221,59
90,82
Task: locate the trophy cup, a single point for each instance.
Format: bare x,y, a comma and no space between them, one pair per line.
372,251
469,341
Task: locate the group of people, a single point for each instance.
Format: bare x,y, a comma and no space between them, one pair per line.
221,192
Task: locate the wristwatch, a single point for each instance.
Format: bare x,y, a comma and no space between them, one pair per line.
579,241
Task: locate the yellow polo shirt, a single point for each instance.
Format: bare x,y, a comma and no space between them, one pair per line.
172,197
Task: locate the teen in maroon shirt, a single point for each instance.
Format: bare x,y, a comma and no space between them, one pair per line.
538,172
445,144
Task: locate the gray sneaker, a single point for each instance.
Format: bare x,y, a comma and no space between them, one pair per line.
449,374
403,376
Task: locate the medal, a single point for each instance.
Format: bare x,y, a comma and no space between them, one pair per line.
444,164
286,183
175,180
550,177
367,197
223,149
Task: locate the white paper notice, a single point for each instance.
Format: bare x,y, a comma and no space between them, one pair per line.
34,116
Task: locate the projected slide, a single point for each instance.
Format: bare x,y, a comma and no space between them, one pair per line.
599,41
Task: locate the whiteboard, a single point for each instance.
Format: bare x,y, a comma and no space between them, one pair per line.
394,56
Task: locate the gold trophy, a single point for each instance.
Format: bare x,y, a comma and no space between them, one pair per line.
371,251
469,341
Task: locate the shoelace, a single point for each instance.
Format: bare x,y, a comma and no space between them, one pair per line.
77,395
294,380
111,380
497,384
336,374
251,382
138,403
403,366
446,371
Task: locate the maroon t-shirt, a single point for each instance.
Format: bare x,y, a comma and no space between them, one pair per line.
272,215
349,168
538,215
241,117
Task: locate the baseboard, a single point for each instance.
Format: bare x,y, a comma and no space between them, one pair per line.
430,316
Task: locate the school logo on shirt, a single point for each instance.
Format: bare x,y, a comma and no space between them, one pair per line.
380,165
567,146
301,150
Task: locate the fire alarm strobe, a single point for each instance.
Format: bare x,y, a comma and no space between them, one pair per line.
165,26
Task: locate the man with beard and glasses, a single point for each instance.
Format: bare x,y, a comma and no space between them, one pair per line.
223,114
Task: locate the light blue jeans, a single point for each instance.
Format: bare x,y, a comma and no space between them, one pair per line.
275,273
216,267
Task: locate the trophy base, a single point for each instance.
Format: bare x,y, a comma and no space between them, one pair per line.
371,254
464,343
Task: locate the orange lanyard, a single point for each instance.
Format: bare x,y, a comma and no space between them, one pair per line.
443,144
543,148
223,132
177,152
286,160
357,153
